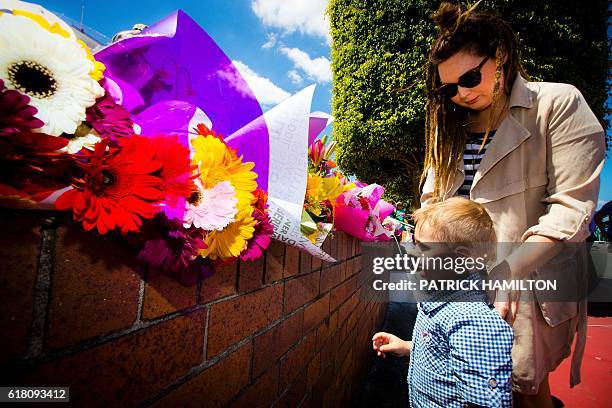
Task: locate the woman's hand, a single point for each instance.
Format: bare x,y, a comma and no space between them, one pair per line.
506,307
388,343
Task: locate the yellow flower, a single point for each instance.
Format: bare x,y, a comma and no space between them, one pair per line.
313,237
313,185
218,163
332,188
55,28
232,240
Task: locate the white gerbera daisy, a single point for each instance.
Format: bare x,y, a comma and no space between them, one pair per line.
52,70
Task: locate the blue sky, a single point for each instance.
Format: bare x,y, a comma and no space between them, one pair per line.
281,45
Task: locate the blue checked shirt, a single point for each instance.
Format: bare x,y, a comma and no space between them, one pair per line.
461,354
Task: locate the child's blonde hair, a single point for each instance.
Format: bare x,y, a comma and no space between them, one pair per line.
459,220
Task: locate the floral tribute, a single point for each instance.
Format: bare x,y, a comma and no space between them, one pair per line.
324,185
65,144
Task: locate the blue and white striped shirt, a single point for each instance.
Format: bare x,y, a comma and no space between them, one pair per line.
472,159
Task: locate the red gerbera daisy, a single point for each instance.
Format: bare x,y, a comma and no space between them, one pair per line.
118,187
177,172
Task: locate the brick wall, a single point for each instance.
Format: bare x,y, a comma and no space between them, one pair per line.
78,311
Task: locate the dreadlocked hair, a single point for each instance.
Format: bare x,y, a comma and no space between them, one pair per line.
480,34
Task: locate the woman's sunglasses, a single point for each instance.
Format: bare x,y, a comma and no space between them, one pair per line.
470,79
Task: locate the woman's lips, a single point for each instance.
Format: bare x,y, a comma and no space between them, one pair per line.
472,101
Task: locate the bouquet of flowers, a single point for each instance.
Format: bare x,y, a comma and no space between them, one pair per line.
324,184
361,212
67,142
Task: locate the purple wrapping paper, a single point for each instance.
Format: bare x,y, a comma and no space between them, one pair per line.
174,76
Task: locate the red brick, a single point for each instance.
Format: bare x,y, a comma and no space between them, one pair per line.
314,369
330,277
19,250
94,286
346,364
307,403
300,290
333,250
298,389
292,262
350,245
220,284
291,331
345,345
323,387
296,360
326,247
271,345
340,293
294,394
305,262
262,393
250,275
316,263
316,312
358,263
165,295
347,307
234,319
283,400
275,258
216,385
330,350
127,370
357,247
341,243
326,329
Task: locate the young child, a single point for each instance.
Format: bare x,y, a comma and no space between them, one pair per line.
460,353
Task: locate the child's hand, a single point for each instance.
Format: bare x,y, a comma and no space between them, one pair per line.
388,343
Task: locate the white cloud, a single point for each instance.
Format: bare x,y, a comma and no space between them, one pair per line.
306,16
270,41
295,77
267,93
318,69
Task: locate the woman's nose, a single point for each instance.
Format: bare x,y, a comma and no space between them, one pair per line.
464,93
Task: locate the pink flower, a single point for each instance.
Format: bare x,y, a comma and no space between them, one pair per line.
212,209
261,237
16,115
176,250
110,119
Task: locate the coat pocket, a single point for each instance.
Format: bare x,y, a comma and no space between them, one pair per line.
561,303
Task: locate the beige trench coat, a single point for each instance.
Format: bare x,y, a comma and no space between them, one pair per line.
540,175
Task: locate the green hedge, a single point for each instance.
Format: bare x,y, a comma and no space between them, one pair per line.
378,53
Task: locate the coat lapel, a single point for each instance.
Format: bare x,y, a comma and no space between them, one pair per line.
510,134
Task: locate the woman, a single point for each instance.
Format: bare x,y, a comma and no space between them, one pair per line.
531,154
